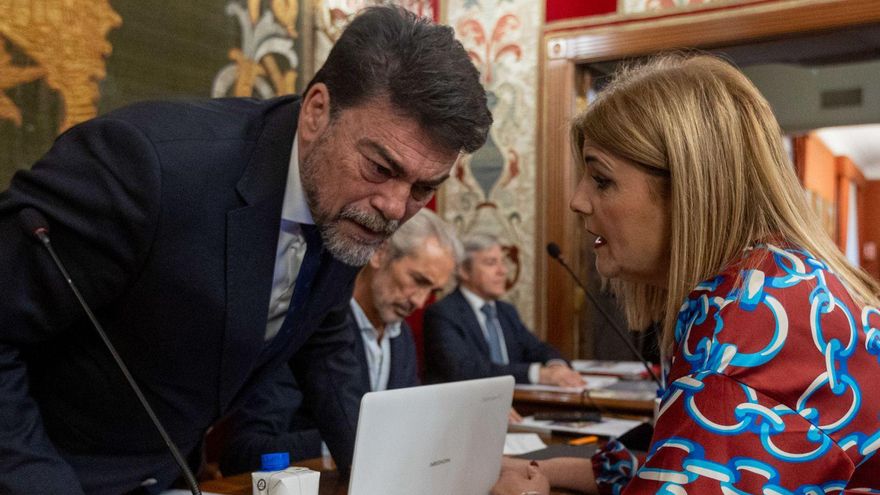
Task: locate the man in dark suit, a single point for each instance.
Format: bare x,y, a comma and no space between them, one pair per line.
472,334
417,261
216,241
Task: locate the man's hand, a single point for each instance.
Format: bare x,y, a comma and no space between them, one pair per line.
513,417
561,375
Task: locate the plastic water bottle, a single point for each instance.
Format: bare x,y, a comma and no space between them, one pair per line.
277,477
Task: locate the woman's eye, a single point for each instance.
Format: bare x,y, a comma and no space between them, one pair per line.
601,182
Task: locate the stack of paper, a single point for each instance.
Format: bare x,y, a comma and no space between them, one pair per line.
608,427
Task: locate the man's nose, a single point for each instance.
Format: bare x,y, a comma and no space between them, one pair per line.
418,296
392,200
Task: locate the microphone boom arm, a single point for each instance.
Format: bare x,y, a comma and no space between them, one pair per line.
554,252
41,233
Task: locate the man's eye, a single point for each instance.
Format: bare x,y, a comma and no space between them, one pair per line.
421,193
376,172
381,169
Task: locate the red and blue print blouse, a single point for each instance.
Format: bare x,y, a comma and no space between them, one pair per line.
774,388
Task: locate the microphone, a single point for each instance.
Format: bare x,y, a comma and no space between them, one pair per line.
35,224
556,253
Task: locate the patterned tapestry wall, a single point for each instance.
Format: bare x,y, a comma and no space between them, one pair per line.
65,61
494,190
51,63
331,16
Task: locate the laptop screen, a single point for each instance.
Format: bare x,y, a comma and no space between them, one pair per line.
432,440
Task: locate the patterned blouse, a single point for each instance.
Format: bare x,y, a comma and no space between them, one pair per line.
772,388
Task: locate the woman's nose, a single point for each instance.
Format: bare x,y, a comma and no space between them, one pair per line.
580,202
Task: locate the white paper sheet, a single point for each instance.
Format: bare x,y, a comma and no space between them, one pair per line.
609,427
522,443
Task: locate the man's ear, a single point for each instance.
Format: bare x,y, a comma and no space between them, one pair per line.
379,257
314,116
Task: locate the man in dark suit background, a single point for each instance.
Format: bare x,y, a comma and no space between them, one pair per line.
472,334
216,240
417,261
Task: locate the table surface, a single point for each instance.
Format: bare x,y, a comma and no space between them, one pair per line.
525,401
332,482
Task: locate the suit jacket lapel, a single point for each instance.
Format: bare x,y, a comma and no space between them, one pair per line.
399,357
470,321
251,240
359,352
505,319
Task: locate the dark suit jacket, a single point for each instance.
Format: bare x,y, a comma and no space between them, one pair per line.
455,348
167,217
276,419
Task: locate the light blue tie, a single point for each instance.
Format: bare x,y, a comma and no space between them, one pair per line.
493,331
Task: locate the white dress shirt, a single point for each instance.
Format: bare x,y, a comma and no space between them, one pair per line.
378,351
291,245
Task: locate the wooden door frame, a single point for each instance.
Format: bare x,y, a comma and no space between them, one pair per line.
568,44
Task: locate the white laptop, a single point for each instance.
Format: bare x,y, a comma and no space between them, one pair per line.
432,440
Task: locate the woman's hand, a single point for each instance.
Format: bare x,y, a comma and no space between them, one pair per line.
514,463
516,481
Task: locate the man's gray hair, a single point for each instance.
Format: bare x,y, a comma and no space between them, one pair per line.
474,243
422,226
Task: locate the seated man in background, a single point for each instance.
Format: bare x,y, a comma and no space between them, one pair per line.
471,334
417,261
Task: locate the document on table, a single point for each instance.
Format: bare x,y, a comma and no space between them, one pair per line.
608,427
522,443
628,369
536,387
594,382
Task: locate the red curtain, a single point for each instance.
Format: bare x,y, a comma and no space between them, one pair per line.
558,10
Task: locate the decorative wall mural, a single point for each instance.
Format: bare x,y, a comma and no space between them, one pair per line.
493,190
11,76
65,43
331,17
266,64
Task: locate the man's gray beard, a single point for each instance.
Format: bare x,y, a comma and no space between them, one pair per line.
348,250
342,247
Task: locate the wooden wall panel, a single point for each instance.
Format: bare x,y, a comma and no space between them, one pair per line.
556,183
870,232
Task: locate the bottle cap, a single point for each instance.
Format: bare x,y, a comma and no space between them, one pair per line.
275,461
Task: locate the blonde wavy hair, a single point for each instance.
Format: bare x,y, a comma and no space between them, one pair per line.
730,181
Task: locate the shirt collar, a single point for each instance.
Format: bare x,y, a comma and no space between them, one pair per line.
295,207
473,299
392,330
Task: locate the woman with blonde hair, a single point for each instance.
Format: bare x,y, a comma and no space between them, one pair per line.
771,338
